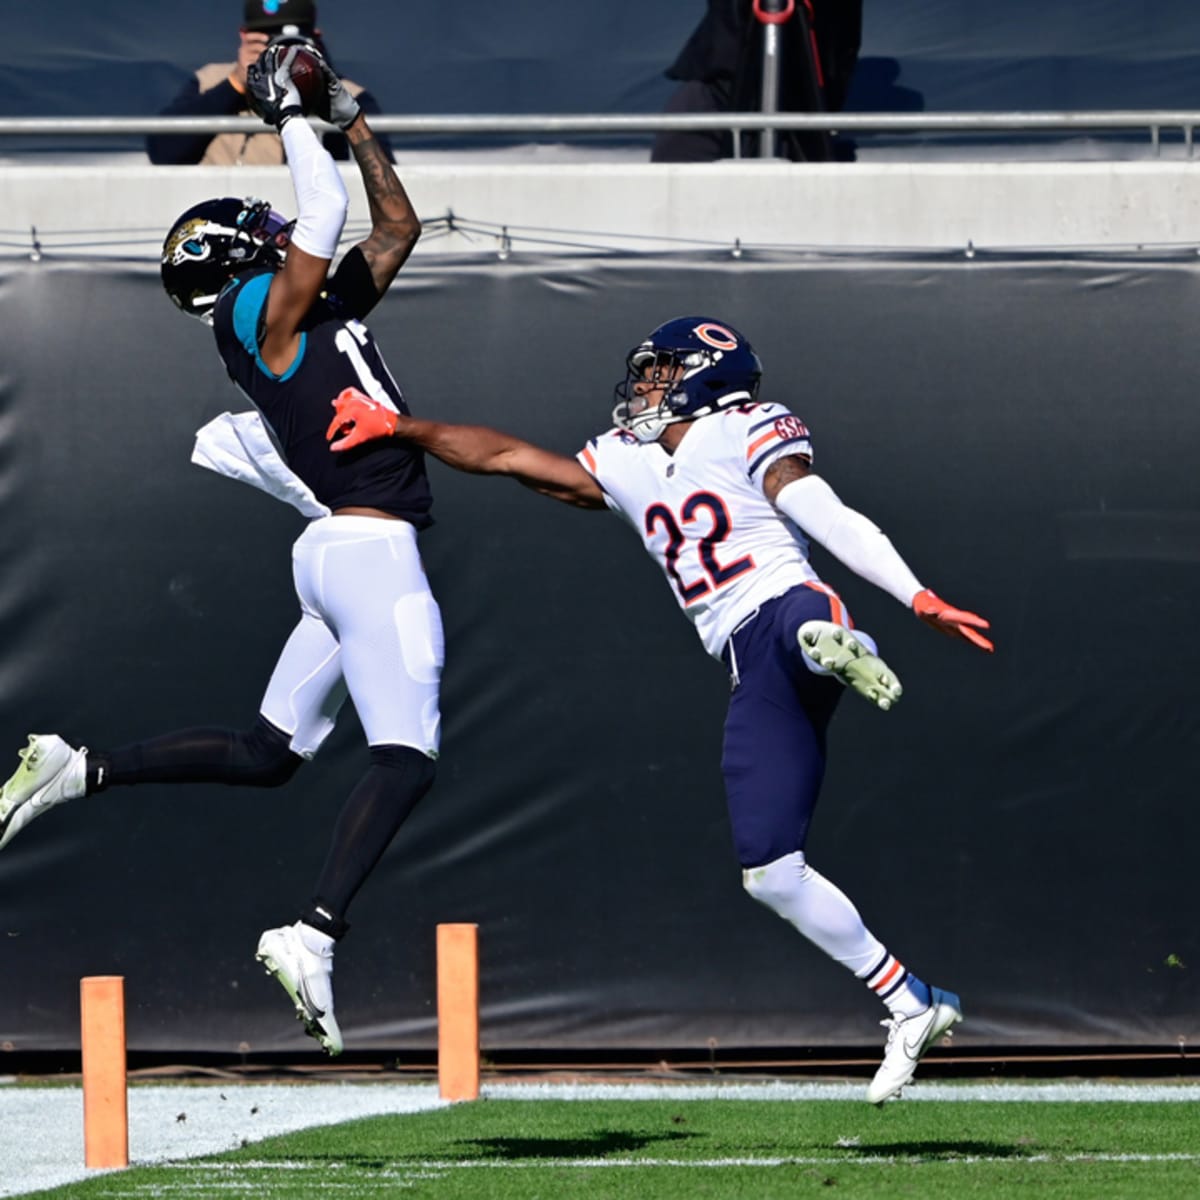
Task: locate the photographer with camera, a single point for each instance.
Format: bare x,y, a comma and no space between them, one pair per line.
219,90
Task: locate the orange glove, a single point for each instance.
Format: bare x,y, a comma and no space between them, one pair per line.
359,419
954,622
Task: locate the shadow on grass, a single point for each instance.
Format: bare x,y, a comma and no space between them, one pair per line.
947,1150
595,1145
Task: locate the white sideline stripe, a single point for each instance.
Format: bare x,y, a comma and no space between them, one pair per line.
588,1164
1042,1092
43,1126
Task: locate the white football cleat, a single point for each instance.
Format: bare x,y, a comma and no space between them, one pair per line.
306,976
50,772
908,1039
836,650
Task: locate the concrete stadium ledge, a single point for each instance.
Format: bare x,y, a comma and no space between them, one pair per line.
88,211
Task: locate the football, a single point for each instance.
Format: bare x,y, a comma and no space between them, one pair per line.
306,74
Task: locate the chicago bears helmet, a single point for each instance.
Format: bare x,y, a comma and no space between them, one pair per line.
214,241
705,365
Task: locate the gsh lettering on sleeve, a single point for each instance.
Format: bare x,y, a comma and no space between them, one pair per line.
791,427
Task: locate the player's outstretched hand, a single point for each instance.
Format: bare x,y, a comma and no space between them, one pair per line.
271,92
335,104
359,419
954,622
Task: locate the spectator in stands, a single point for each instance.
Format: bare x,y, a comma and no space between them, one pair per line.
720,69
219,90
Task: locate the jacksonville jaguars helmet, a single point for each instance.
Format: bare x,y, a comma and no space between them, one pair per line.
214,241
716,368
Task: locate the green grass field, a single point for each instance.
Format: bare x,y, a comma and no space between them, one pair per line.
693,1149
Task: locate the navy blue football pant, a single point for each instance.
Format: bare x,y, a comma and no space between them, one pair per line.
774,754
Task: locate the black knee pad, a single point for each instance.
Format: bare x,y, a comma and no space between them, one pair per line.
416,771
264,753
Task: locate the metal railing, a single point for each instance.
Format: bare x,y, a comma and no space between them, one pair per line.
1153,122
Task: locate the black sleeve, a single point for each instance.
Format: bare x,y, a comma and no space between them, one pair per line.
336,143
353,285
183,149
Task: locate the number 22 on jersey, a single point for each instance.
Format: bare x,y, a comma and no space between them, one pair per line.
700,507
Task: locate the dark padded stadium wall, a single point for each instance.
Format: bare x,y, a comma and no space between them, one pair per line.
129,57
1019,828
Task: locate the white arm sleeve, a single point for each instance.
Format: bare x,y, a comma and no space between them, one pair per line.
320,192
849,536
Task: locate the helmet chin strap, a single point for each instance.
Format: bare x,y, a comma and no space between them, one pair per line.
648,426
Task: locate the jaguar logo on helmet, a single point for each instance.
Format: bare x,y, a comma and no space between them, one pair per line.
187,243
216,240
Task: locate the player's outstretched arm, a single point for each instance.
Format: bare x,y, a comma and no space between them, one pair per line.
321,201
475,449
861,545
395,227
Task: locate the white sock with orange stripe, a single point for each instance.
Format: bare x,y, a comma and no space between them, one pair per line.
903,993
826,916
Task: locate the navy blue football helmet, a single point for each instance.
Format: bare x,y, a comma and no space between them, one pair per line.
706,365
214,241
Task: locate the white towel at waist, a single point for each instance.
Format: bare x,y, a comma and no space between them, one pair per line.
240,446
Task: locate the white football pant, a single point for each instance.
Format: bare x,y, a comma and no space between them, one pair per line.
369,625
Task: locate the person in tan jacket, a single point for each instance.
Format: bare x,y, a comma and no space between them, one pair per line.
219,90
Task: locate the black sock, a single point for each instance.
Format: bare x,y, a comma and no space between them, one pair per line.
380,803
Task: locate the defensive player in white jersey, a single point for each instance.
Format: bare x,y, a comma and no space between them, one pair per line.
721,490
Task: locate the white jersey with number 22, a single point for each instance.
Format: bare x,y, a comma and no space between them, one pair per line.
701,512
